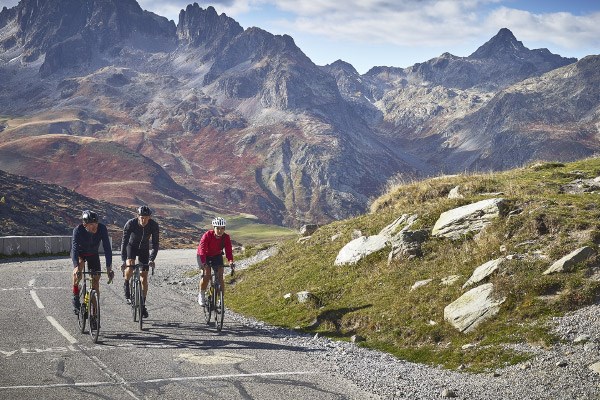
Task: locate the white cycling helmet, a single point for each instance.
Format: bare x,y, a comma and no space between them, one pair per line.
218,221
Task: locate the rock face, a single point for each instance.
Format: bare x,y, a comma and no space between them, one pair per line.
472,308
205,28
245,120
567,262
457,223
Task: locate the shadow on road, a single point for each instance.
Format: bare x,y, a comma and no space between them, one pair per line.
198,336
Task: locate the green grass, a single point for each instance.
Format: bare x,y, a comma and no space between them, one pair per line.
373,298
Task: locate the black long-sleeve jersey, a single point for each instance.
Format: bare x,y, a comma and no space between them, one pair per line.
139,236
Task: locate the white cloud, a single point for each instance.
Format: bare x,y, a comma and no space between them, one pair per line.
562,29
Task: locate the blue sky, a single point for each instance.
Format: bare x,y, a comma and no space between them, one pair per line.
400,33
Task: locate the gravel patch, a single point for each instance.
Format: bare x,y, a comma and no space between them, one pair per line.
563,371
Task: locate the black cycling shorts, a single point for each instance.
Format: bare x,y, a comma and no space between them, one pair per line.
93,262
143,256
215,261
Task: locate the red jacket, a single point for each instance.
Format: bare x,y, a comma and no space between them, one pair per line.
211,245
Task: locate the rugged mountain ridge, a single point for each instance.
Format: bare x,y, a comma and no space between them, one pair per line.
243,119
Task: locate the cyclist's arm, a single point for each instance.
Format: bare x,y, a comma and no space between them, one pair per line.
199,261
125,241
106,246
202,248
155,242
228,249
75,247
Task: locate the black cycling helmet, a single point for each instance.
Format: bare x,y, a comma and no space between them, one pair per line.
89,216
144,211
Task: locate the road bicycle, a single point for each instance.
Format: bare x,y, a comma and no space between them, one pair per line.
89,309
215,301
137,295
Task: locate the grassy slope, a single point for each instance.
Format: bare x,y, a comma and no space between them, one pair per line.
373,299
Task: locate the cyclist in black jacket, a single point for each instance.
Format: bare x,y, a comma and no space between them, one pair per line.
136,243
84,247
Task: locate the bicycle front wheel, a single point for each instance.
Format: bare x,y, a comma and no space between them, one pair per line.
133,298
139,299
81,317
219,309
94,315
208,302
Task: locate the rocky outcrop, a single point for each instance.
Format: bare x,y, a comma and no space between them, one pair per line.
68,32
359,248
483,271
471,218
472,308
362,246
566,263
205,28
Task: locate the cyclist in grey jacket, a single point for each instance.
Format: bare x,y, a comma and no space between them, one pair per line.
136,244
84,247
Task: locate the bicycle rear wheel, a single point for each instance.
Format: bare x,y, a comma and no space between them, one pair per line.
94,315
219,309
81,317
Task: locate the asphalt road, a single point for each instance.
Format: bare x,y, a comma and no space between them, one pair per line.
43,354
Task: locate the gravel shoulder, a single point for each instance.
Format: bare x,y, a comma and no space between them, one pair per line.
568,370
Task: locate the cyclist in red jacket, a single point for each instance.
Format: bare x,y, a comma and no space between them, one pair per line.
210,251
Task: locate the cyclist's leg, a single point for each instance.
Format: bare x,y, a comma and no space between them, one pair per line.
144,259
94,267
205,278
76,278
144,280
128,273
203,284
77,274
220,278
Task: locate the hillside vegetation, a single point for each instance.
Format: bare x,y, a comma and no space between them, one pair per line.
374,299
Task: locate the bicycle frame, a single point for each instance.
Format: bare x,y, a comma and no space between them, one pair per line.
90,305
136,295
215,302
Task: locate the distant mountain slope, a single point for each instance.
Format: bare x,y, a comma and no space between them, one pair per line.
243,121
29,207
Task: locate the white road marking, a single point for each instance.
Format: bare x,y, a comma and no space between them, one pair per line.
36,299
174,379
37,288
62,330
219,357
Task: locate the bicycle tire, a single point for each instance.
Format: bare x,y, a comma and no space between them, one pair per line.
133,297
140,301
208,303
219,309
94,315
81,316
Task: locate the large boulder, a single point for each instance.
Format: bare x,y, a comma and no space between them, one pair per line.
472,308
359,248
456,223
483,271
566,263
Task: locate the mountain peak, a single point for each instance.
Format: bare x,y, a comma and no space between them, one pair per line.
200,27
504,43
